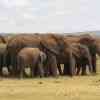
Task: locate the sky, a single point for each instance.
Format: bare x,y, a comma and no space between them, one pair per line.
49,15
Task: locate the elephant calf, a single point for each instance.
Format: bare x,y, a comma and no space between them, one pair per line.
32,57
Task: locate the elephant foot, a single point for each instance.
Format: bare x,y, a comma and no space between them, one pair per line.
94,74
83,74
61,74
94,71
41,75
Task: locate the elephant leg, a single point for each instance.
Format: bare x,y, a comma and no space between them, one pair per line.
46,70
78,69
9,68
20,66
32,70
16,68
94,63
8,63
72,66
40,68
0,64
66,70
21,72
83,69
35,70
53,65
59,69
13,65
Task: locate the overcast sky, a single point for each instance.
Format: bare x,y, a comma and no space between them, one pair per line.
49,15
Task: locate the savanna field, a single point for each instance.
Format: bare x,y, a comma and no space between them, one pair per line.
60,88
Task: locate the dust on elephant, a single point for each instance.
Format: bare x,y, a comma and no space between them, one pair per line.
33,58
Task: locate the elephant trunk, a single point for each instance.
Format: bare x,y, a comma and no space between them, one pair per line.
47,49
89,58
72,64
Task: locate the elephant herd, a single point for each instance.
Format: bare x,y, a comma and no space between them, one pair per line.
44,54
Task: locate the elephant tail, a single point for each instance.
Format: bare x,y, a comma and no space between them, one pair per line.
20,63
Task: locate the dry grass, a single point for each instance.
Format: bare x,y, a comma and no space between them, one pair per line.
62,88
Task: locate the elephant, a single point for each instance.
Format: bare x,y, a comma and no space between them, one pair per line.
63,53
4,58
33,58
88,41
16,43
3,46
93,48
83,58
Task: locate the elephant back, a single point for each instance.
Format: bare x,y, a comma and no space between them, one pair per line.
72,39
18,42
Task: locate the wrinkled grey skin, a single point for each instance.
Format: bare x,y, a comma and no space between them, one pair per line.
32,57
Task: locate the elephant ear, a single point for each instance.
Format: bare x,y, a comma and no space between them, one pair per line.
60,41
45,48
75,49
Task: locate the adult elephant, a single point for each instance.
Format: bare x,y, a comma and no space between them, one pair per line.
82,58
16,43
62,51
3,52
4,58
88,41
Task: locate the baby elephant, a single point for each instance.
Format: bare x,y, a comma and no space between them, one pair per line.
32,57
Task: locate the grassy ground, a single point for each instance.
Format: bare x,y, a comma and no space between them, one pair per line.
62,88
